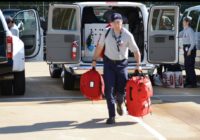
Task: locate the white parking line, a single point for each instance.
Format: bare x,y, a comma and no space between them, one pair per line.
181,95
78,97
155,133
41,98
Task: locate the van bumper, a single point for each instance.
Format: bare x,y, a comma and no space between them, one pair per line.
80,69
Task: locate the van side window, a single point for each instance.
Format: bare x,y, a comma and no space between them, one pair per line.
195,15
64,19
163,20
198,25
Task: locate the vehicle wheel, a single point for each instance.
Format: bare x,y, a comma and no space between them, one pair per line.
68,80
19,83
6,88
54,71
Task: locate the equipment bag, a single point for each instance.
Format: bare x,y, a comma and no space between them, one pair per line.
92,85
138,92
178,79
168,79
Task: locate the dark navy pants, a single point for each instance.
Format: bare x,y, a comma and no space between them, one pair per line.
190,65
115,77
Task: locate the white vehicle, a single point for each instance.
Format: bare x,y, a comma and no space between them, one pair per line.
14,51
69,27
193,12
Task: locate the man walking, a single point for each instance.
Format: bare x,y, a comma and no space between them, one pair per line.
117,44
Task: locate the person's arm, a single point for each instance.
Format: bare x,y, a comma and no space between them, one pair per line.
134,48
192,41
97,53
99,49
137,57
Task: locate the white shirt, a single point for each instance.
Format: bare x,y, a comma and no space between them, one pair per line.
111,50
188,37
15,30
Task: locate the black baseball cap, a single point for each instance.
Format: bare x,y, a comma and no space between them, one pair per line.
116,16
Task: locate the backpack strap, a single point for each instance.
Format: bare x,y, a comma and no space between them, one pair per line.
107,33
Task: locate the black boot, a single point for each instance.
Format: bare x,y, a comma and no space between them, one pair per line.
110,120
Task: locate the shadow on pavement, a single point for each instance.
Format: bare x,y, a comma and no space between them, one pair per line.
35,127
100,123
50,126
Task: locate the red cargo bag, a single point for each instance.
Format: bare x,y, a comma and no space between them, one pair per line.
138,92
92,85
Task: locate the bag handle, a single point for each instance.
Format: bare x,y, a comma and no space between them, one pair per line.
138,73
93,68
131,97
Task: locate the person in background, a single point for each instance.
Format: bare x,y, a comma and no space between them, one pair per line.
189,48
12,26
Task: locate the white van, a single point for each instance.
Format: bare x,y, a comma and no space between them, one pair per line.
193,12
14,51
70,27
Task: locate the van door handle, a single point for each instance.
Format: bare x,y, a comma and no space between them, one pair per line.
171,37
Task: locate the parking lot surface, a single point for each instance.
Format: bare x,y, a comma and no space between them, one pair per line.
49,112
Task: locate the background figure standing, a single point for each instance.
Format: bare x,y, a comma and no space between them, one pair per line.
189,48
12,26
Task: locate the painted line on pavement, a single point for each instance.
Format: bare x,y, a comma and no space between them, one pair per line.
75,97
155,133
186,95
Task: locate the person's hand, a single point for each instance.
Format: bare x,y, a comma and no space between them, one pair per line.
188,53
138,67
94,63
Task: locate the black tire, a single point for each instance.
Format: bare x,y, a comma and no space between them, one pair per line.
6,88
68,81
19,83
54,71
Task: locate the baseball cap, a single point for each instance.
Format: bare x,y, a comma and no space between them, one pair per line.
116,16
187,18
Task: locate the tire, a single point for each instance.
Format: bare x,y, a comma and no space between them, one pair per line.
68,81
19,83
6,88
54,71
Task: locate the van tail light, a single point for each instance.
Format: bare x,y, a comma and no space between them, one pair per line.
74,49
9,47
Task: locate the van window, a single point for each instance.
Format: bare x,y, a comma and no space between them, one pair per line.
64,19
28,20
195,15
163,19
198,25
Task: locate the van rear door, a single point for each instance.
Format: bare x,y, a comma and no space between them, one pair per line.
64,28
162,34
30,33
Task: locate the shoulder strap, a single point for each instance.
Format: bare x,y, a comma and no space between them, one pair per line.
107,33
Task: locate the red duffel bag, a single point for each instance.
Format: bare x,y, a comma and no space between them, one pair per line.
92,85
138,92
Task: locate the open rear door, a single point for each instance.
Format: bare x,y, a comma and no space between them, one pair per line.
162,35
30,33
64,28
